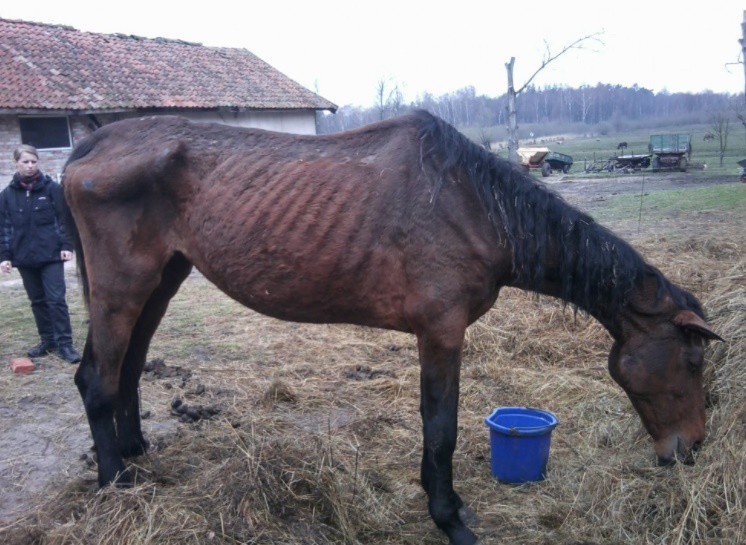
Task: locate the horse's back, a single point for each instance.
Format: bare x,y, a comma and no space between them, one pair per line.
337,228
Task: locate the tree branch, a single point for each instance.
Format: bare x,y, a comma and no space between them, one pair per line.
548,57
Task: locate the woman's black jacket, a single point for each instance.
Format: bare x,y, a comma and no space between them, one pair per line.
31,227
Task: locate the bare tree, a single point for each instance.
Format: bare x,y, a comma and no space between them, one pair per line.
720,125
396,101
585,101
739,109
513,92
381,98
388,98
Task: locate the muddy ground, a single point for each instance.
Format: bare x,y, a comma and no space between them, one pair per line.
44,436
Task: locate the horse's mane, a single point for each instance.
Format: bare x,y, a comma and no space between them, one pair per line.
597,269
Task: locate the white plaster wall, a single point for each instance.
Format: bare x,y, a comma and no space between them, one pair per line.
290,121
51,162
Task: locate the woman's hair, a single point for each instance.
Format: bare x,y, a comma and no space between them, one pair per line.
24,148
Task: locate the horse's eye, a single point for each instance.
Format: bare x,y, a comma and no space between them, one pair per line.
696,364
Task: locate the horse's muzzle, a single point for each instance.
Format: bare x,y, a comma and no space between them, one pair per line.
681,453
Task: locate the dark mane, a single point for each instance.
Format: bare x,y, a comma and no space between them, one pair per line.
597,269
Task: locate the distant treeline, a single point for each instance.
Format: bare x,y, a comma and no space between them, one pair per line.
590,106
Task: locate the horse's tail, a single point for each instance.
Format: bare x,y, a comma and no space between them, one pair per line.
81,150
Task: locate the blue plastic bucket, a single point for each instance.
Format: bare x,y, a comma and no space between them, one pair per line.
519,440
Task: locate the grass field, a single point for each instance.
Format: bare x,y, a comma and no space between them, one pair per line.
720,199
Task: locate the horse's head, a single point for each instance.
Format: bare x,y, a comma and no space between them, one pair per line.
660,368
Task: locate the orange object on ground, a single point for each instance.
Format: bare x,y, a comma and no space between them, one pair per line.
22,365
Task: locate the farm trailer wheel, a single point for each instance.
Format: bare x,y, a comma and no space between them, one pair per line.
546,169
682,164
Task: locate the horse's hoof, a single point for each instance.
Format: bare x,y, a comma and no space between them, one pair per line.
134,449
468,516
477,542
124,480
121,479
462,535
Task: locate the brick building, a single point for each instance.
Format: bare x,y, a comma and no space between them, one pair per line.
58,84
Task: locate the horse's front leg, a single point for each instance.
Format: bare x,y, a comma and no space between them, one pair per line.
440,361
130,438
100,397
99,378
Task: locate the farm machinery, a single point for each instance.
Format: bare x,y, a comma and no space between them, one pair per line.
545,160
670,151
665,152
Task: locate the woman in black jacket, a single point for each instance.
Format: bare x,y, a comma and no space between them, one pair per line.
33,239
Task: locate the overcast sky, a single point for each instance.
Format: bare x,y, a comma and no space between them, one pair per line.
343,48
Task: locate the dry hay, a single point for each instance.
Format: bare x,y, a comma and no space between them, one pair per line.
318,436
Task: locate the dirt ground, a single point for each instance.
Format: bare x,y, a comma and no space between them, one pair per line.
44,436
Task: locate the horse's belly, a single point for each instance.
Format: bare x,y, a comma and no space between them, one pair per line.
318,291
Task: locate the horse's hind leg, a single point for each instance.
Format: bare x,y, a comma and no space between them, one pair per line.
127,413
440,361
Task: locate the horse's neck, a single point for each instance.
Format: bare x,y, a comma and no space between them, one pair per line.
620,312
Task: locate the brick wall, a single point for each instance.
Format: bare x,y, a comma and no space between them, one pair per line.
10,137
50,161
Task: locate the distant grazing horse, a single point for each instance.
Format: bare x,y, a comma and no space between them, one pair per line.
621,146
708,137
405,225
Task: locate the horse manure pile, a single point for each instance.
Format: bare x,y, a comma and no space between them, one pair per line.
318,436
192,413
157,369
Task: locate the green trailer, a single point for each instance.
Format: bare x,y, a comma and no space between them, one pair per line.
670,151
559,161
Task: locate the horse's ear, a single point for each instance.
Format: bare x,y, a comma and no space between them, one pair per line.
694,324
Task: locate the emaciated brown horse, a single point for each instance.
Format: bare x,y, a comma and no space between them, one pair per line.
405,224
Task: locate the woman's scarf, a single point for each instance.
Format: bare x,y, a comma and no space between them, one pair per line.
27,182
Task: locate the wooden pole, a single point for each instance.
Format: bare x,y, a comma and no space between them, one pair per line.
743,50
512,115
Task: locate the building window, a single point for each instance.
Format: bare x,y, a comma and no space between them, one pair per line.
46,132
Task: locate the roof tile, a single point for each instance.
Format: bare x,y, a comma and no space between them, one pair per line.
58,67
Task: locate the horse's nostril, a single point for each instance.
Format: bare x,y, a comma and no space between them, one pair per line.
696,446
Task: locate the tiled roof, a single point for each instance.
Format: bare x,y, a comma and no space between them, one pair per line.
58,67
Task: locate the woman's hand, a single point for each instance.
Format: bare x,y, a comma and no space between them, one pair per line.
5,266
65,255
